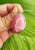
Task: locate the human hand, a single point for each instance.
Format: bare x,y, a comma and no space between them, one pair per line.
5,26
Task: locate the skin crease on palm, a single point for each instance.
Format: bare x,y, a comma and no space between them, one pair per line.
4,11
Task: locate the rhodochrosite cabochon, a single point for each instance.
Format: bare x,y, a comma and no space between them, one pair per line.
18,23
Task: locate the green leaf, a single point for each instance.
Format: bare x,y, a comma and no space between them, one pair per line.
26,39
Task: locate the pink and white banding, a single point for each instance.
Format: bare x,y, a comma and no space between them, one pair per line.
18,23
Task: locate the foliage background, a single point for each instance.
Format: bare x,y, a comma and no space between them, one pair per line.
26,39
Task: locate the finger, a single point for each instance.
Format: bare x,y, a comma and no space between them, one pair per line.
4,9
10,6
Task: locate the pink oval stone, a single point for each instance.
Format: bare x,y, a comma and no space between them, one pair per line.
18,23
